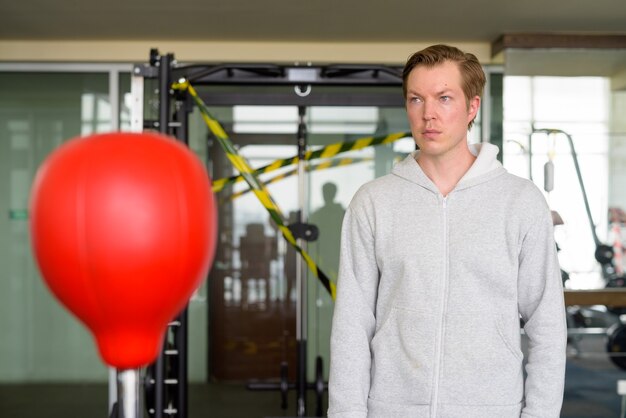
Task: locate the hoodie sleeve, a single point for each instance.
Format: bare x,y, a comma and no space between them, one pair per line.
541,305
353,319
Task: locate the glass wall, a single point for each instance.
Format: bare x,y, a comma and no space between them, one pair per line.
580,91
40,108
38,111
43,107
253,304
581,107
330,191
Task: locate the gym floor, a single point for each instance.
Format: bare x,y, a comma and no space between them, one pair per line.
590,392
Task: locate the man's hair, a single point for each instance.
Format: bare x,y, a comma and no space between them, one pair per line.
472,74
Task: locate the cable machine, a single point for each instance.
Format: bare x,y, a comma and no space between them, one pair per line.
166,380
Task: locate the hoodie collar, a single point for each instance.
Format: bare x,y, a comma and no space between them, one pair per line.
484,168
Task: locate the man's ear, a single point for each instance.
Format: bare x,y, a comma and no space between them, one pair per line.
472,108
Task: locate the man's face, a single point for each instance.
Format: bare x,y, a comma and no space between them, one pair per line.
437,109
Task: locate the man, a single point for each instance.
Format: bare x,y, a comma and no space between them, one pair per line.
439,259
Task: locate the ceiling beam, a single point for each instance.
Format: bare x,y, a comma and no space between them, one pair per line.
555,40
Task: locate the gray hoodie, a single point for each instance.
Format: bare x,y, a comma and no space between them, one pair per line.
430,294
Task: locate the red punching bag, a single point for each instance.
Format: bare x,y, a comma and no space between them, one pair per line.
123,229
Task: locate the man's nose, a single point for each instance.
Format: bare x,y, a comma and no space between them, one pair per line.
429,110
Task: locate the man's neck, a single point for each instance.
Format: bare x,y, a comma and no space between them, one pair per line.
446,170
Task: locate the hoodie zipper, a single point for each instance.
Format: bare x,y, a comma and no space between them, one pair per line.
442,323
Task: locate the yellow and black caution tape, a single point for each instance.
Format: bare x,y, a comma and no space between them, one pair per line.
257,187
325,152
335,162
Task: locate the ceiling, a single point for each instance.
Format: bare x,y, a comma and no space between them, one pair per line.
341,21
299,20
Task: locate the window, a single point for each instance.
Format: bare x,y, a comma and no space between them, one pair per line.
579,106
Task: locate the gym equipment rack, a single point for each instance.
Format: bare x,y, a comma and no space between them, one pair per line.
166,380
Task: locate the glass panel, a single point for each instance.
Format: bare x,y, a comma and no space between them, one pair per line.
253,280
198,306
252,292
125,101
265,119
617,176
38,112
330,193
579,106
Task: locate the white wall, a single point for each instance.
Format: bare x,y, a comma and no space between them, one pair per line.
190,51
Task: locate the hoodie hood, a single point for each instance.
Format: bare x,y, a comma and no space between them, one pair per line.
486,167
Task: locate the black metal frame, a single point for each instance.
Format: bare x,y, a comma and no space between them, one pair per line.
175,122
347,75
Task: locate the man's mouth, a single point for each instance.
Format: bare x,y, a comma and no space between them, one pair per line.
428,132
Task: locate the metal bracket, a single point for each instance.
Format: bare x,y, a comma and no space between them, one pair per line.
145,71
307,232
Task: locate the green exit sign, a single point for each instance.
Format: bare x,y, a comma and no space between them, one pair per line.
18,214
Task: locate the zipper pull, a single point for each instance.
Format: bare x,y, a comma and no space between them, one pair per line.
445,202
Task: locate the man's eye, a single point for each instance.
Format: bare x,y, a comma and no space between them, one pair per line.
415,99
445,98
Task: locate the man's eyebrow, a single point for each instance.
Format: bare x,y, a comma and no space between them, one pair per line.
445,91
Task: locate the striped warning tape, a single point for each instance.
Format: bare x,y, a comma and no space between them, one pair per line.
325,152
335,162
257,187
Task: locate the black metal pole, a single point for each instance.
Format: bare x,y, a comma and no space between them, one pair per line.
301,334
582,188
159,382
579,176
164,117
181,345
165,62
182,120
181,337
